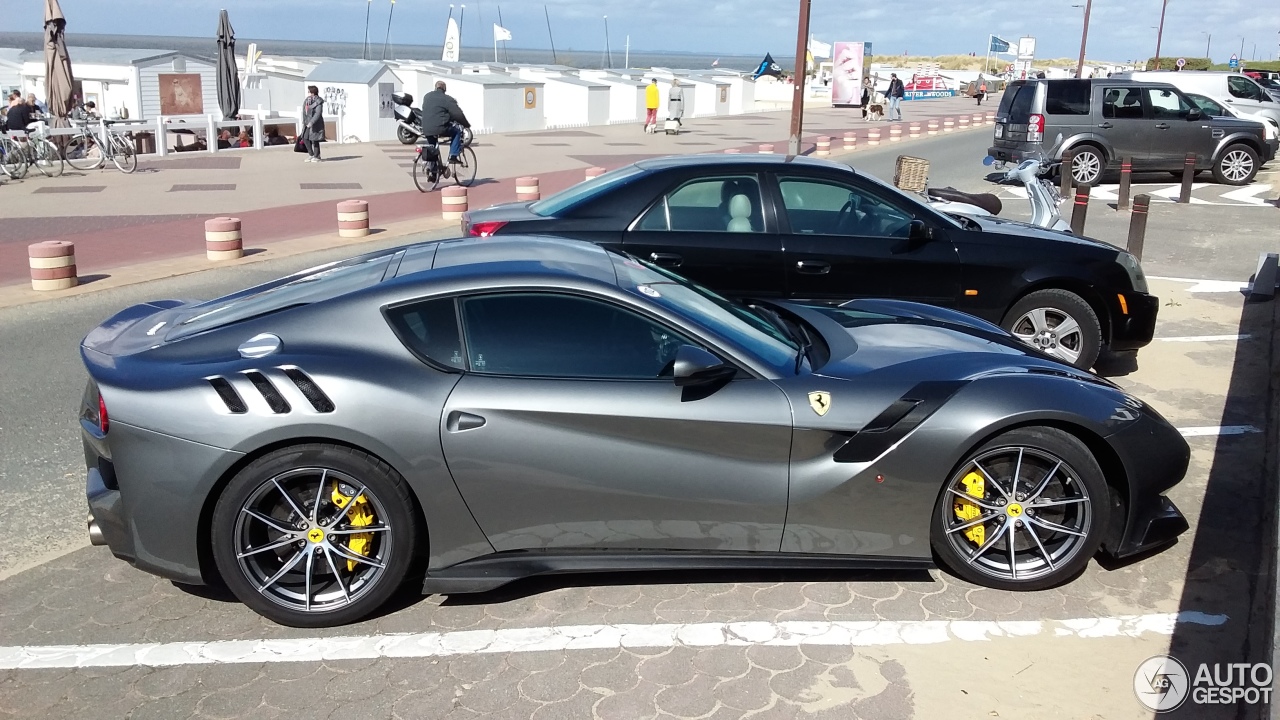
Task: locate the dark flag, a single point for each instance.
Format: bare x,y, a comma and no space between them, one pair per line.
768,67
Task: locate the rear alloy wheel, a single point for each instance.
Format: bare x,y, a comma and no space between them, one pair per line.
1025,511
314,535
1057,323
1087,166
1237,166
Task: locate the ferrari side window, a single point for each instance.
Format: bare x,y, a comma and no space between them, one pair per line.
563,336
430,330
817,207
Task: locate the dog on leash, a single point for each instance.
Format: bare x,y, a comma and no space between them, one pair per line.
875,112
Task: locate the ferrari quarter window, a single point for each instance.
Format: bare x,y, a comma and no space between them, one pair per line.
430,330
718,204
816,207
564,336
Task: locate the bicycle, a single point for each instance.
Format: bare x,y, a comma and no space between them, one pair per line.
40,152
13,159
428,170
88,150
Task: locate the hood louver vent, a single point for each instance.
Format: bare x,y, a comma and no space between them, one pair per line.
229,396
310,390
274,399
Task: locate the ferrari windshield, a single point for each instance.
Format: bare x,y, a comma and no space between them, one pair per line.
723,316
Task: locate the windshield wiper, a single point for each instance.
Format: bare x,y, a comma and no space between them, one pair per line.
797,334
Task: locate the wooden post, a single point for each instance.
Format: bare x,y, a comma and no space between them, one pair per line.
1188,177
1081,209
1138,225
1064,174
1126,173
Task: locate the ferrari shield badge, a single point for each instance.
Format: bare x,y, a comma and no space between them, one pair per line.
820,401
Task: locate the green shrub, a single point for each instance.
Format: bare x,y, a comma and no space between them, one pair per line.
1171,63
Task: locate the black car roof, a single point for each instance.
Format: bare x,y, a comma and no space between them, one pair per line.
735,160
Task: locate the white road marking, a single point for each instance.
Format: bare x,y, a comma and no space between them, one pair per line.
1174,191
1246,194
587,637
1215,430
1205,338
1207,286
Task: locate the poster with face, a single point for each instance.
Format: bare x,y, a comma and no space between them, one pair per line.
846,81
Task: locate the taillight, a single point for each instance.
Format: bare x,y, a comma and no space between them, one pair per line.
486,229
1035,128
103,422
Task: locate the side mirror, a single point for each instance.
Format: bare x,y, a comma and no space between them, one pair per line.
919,233
1194,114
695,366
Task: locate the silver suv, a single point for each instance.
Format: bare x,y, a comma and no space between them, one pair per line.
1103,121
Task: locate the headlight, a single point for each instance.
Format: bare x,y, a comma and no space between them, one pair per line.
1131,266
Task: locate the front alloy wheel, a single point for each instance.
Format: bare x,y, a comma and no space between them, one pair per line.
1024,512
1057,323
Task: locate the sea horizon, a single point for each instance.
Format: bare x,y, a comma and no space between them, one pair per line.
206,47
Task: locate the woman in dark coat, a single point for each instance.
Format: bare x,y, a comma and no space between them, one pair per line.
313,123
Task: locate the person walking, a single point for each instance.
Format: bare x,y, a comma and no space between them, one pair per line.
897,91
651,102
982,89
675,103
441,117
313,123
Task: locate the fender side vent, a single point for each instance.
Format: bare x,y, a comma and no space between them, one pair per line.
229,396
274,399
310,390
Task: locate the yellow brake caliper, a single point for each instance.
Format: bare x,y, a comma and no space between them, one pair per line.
965,510
359,514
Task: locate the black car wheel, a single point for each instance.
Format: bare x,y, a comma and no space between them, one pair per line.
1057,323
1025,511
1087,165
314,535
1237,165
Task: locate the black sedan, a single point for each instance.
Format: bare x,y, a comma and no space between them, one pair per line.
809,230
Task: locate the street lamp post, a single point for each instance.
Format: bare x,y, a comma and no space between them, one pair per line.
1207,42
1084,37
799,81
1164,5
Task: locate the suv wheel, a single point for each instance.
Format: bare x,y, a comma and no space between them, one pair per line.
1087,165
1057,323
1237,165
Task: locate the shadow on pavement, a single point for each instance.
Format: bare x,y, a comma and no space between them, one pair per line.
1230,571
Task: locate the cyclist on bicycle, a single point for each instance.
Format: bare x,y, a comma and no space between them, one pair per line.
441,117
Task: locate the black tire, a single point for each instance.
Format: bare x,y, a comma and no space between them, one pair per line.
1087,165
1078,464
405,136
464,171
1177,174
1075,348
123,156
1237,165
424,177
83,153
386,491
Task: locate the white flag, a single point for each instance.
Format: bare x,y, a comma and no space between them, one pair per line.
452,42
500,33
820,49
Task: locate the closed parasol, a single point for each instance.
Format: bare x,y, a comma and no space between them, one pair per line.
228,74
59,82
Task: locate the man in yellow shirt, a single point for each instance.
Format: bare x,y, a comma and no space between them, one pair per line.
651,103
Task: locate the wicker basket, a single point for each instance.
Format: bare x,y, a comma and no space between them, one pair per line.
912,173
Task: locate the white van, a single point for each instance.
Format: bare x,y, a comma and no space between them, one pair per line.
1238,89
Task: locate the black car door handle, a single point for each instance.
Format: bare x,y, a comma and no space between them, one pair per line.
813,267
461,421
1106,126
666,259
1162,126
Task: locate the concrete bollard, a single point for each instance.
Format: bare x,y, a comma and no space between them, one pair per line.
594,172
895,134
453,202
948,125
873,136
1081,209
824,146
979,119
766,149
527,189
1138,225
850,141
353,218
53,265
222,239
963,122
914,130
732,151
933,127
991,117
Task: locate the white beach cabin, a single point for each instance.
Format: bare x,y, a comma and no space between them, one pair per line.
357,96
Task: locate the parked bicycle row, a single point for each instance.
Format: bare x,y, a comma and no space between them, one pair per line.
89,147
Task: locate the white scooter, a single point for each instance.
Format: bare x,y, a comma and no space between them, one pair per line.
1035,174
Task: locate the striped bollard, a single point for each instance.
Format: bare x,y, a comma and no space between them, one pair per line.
933,127
527,189
824,146
453,202
353,218
991,117
53,265
594,172
222,239
732,151
873,136
915,130
948,125
766,149
895,134
979,119
850,141
962,122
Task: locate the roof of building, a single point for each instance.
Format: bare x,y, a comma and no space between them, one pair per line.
114,56
359,72
10,56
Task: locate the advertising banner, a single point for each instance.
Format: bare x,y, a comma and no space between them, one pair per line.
848,72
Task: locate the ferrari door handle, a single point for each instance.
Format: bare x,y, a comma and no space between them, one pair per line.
1106,126
1162,126
666,259
813,267
462,421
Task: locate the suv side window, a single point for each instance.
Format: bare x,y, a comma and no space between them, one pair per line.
430,330
718,204
1167,104
1068,97
1244,88
1122,103
552,335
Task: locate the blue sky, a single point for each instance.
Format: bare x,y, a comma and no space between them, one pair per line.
1121,29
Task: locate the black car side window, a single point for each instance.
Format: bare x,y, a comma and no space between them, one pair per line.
717,204
430,330
563,336
818,207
